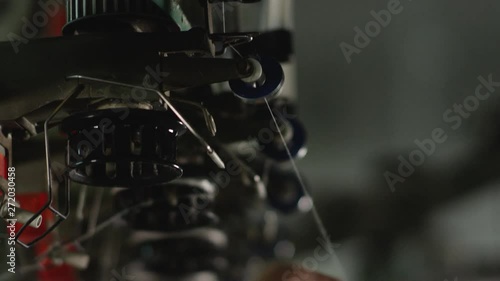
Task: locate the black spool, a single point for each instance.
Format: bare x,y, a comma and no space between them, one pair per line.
182,255
122,147
175,207
97,16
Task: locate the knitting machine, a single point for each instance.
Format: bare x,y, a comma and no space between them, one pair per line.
164,130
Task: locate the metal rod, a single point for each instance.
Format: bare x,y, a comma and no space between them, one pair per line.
76,91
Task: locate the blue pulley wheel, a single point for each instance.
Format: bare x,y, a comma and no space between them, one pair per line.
266,82
295,137
285,193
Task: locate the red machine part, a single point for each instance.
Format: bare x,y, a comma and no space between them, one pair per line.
4,162
51,272
33,202
56,24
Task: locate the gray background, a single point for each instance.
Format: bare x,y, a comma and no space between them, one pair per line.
361,116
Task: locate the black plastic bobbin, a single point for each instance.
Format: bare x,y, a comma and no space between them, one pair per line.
122,147
184,254
175,207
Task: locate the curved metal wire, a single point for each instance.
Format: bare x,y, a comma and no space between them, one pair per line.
48,204
77,90
209,119
210,151
248,172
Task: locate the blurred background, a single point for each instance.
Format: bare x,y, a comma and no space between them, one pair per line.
441,222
